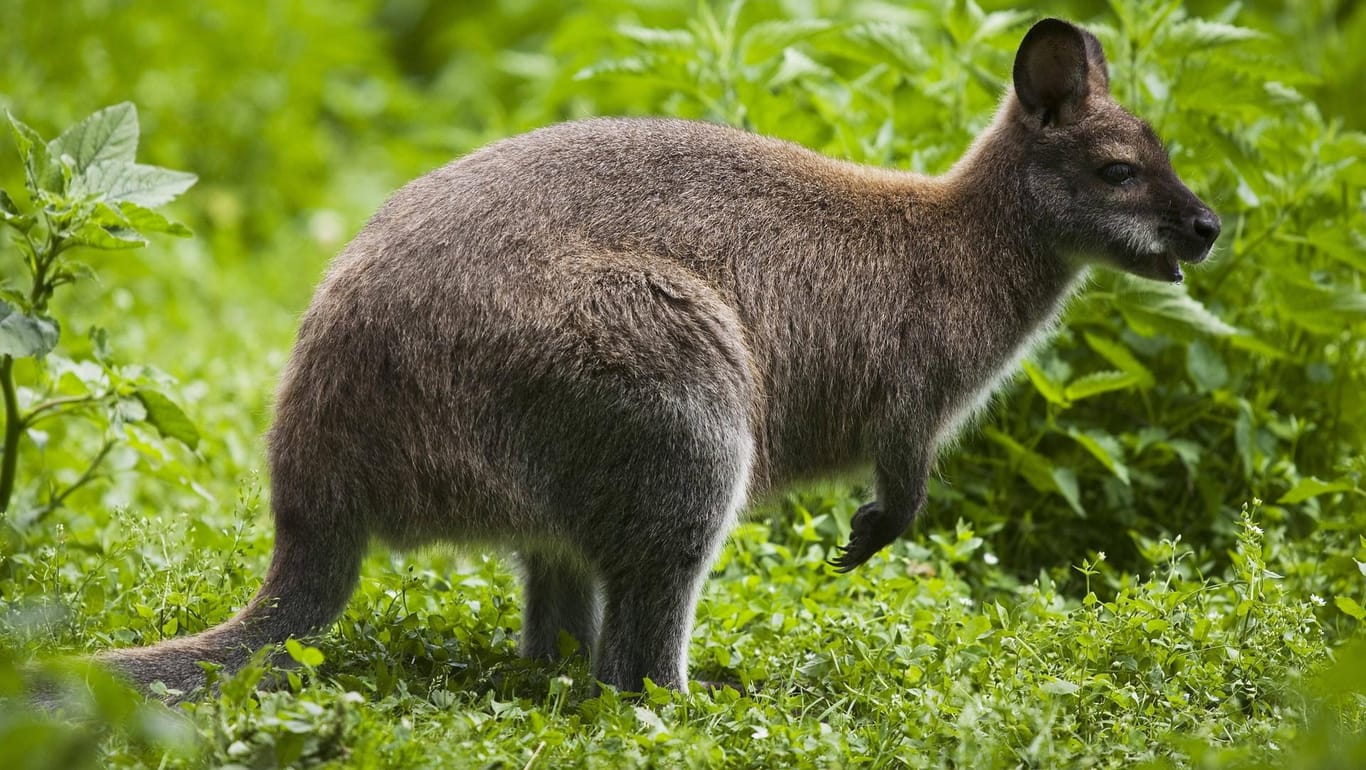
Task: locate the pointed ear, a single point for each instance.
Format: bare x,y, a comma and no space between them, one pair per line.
1054,70
1095,58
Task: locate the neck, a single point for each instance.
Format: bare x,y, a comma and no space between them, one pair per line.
916,300
1001,280
1010,248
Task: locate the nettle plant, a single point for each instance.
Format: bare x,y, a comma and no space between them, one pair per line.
84,192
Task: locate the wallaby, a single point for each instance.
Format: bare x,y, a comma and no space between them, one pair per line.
593,342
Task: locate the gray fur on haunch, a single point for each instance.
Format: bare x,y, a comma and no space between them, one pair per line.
595,341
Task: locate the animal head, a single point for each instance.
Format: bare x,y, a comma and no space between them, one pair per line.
1099,176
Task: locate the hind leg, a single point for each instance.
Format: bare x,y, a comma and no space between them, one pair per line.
648,623
638,443
653,579
560,595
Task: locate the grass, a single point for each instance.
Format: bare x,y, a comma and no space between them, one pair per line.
931,657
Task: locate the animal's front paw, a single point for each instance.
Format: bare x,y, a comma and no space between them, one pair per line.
871,529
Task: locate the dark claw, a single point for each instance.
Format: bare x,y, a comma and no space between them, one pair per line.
871,530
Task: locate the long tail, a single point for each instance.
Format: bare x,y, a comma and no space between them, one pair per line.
311,577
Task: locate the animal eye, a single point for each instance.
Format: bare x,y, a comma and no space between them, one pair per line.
1118,173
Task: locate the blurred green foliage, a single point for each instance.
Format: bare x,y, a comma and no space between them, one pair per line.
997,634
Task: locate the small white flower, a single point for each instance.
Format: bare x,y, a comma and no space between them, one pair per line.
990,558
1316,599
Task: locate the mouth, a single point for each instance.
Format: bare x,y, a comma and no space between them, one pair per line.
1169,267
1167,263
1161,261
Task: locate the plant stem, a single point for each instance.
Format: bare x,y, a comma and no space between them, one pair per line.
36,412
86,477
42,285
14,425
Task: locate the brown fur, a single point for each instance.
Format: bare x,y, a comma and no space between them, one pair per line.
594,341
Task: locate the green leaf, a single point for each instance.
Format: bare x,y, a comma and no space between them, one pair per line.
1338,243
1119,356
24,336
654,37
136,183
41,171
122,225
144,220
1034,467
1205,367
1201,35
311,657
129,409
1323,310
1244,341
1039,471
1059,687
12,216
998,23
168,418
99,345
108,215
1050,389
1105,448
1350,607
765,39
796,65
1065,482
1151,307
1313,487
1188,451
111,134
7,207
879,41
71,271
626,66
108,238
1100,382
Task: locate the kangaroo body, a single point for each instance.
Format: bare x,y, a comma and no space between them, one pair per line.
594,342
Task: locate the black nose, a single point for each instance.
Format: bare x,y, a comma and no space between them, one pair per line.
1206,226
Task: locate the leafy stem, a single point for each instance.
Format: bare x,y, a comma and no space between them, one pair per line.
36,413
44,259
14,425
85,190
